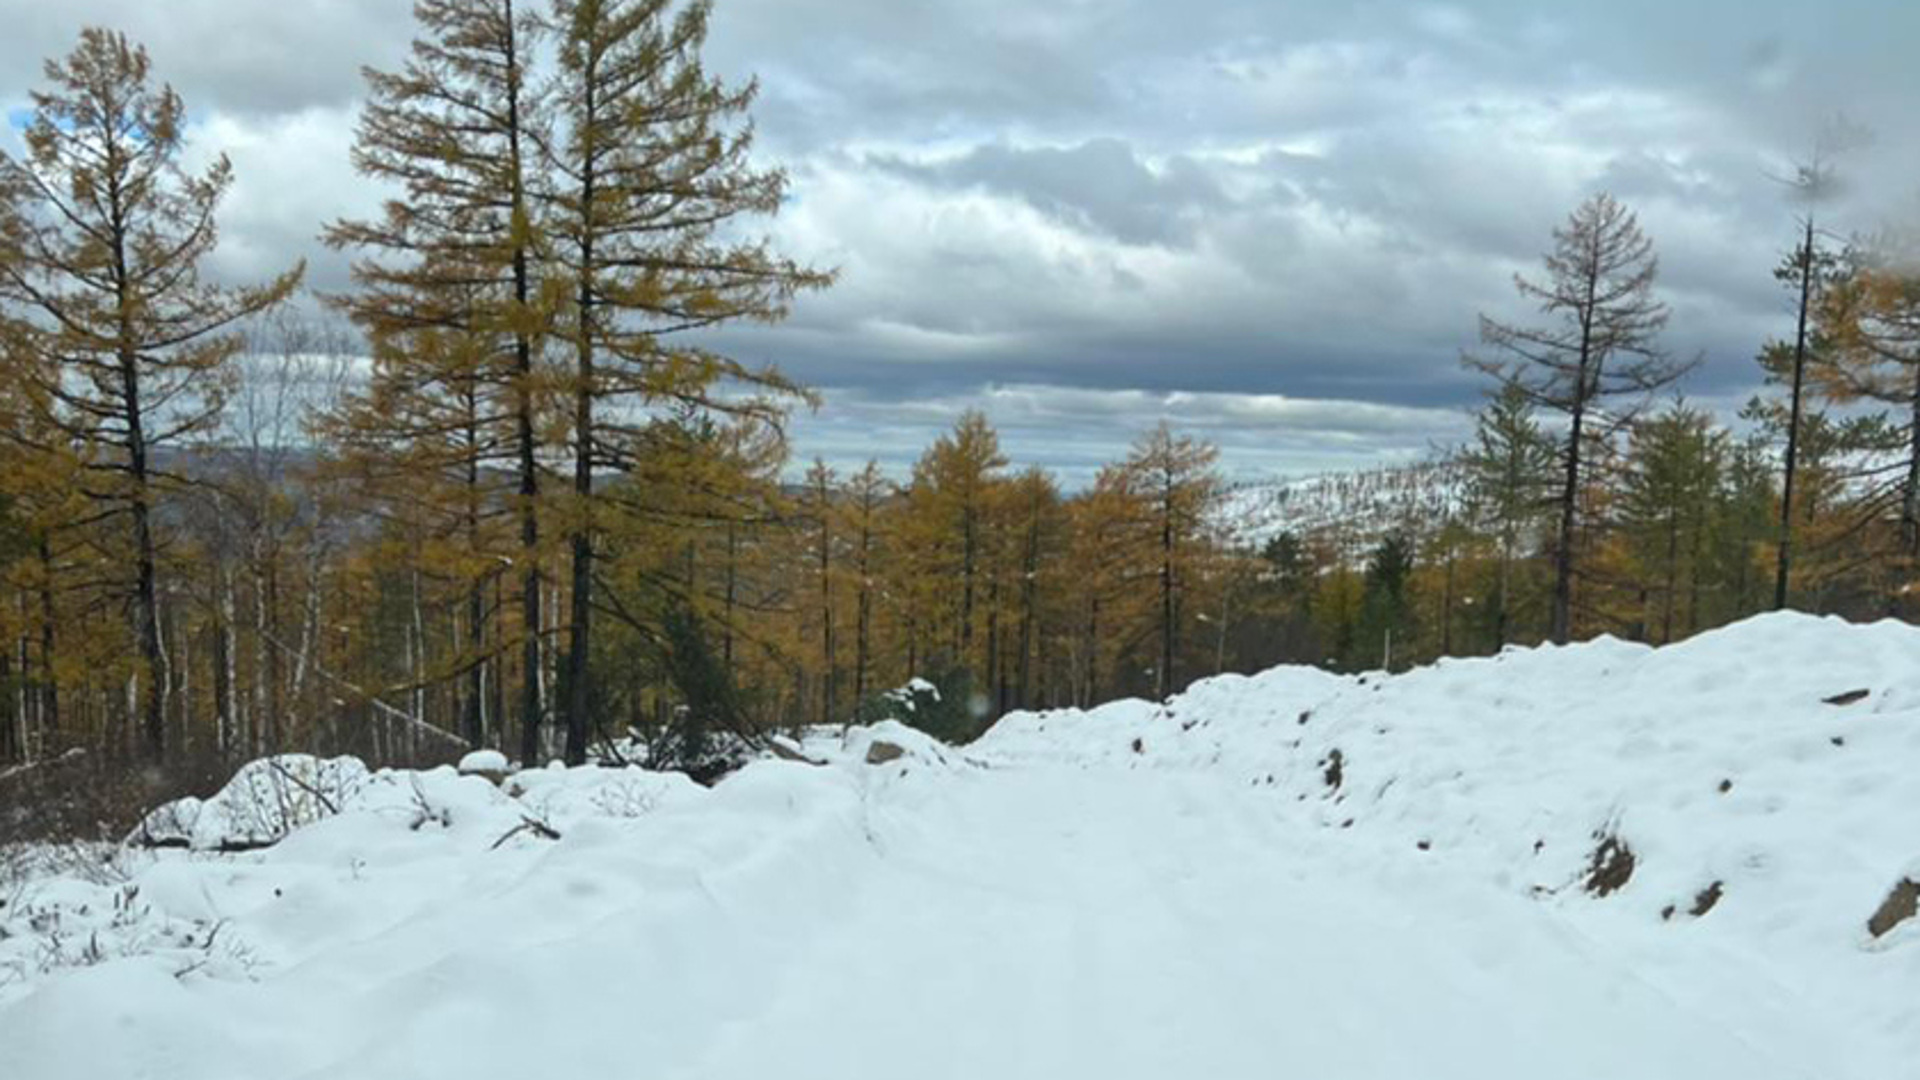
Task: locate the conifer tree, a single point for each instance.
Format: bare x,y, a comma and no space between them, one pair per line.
1673,475
1805,271
457,129
1177,482
867,491
1598,344
1036,499
1509,479
653,179
1873,316
950,504
819,509
126,345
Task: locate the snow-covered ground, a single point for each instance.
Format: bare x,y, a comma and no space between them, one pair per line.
1199,890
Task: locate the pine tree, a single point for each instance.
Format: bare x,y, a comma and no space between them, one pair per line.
1599,344
127,346
1674,470
1384,626
1509,480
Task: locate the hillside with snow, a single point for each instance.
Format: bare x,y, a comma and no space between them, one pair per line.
1353,510
1600,861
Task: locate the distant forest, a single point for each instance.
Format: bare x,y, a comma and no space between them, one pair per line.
502,494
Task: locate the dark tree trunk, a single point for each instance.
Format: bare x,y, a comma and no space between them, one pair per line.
1783,570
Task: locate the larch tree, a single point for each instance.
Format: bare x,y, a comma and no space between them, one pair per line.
1805,271
950,503
819,506
457,130
1175,479
653,183
424,439
1872,314
1035,500
1597,345
867,495
127,344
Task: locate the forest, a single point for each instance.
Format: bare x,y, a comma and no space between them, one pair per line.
504,493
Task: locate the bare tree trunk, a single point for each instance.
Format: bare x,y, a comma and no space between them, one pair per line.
223,666
1560,624
1165,685
1783,568
49,675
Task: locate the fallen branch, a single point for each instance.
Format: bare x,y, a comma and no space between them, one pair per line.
527,824
12,771
288,775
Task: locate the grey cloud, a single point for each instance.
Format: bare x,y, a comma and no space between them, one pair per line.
1100,184
251,56
1127,197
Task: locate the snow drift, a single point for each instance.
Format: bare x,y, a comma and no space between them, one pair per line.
1596,861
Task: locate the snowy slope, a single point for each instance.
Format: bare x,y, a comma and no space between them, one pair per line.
1135,891
1354,509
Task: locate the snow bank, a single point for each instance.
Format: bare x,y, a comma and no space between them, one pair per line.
1586,862
1778,758
1751,793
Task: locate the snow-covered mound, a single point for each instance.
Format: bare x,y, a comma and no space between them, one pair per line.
1774,764
1749,798
1585,863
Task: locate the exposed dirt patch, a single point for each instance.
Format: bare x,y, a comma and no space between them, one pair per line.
1139,746
1901,904
1335,769
1848,698
1726,786
1611,866
882,752
1705,899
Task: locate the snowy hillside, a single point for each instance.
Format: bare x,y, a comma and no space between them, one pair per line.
1603,861
1354,509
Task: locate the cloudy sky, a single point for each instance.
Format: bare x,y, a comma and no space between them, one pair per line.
1271,223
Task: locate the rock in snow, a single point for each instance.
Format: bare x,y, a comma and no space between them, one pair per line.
490,764
1138,890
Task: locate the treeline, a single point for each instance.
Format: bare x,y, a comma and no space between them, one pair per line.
1593,499
514,501
518,504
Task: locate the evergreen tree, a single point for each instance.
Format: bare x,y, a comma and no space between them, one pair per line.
1674,471
1509,485
1385,621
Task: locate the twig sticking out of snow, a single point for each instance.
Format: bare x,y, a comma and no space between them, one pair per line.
527,824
